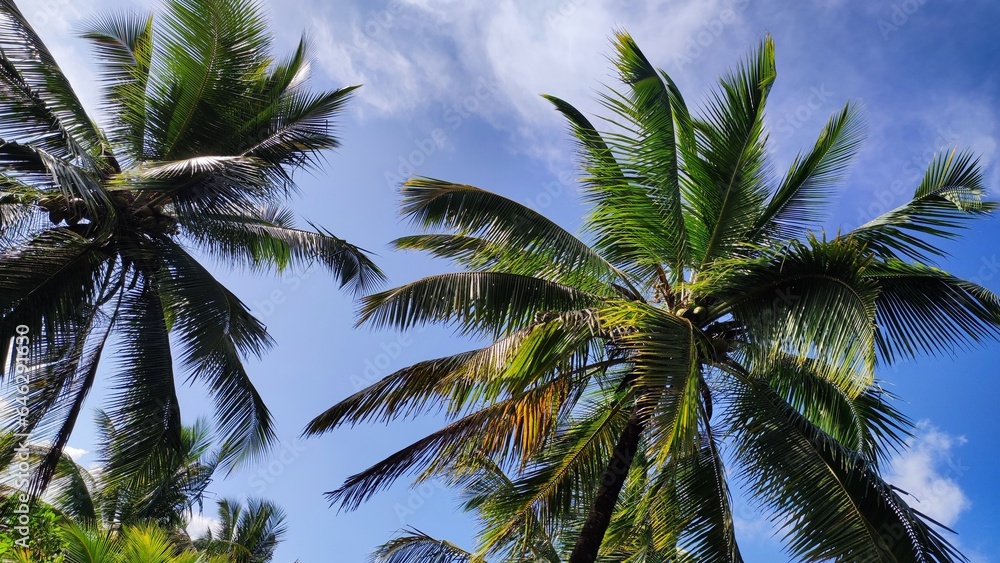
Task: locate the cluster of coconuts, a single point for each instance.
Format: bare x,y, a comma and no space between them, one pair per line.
71,210
697,316
146,217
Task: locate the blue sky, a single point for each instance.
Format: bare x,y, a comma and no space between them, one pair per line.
451,90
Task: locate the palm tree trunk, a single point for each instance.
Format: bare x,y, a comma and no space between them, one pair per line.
599,518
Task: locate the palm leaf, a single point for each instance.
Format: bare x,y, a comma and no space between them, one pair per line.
474,301
949,195
830,502
414,546
796,205
215,331
923,310
726,189
259,238
518,233
123,43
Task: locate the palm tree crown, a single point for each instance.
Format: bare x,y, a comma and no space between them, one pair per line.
708,325
247,533
204,130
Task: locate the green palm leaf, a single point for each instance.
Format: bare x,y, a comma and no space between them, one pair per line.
949,195
828,500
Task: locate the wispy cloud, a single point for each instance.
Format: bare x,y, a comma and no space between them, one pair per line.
414,54
929,470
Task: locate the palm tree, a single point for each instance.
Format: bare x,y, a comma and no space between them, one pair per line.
706,325
484,487
165,498
146,543
204,131
97,499
104,505
246,534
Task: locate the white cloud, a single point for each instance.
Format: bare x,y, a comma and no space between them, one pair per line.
198,524
928,470
426,53
75,453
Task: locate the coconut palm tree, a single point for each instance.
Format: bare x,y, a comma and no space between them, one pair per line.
247,533
204,130
146,543
483,488
705,324
165,498
486,492
103,505
97,499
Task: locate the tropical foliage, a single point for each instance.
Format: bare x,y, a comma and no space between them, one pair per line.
147,543
707,328
84,507
108,500
246,533
44,535
204,130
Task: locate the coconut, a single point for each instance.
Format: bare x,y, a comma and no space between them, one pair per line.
56,216
143,212
121,199
147,222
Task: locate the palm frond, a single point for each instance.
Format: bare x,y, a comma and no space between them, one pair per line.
948,197
414,546
796,205
475,302
810,301
32,73
215,331
123,43
725,189
210,50
497,429
924,310
867,423
260,238
143,403
398,395
564,477
520,236
830,502
665,352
